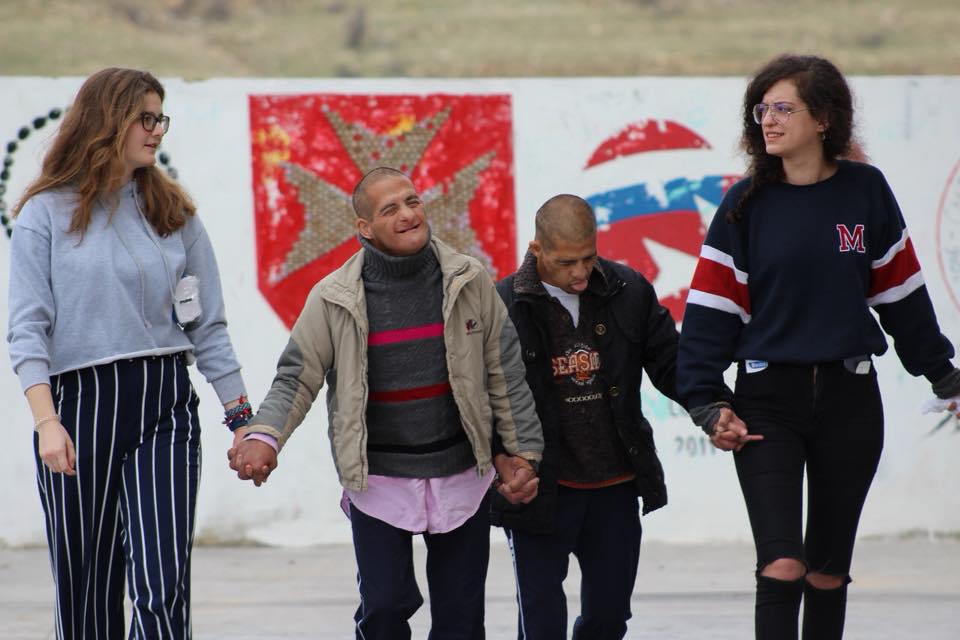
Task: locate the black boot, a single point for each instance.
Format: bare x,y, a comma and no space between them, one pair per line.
777,609
824,611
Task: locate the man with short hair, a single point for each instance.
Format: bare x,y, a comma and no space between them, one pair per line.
423,365
588,329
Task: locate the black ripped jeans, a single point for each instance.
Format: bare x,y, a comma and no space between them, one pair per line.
827,420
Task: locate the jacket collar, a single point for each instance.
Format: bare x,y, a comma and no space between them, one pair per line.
345,285
527,279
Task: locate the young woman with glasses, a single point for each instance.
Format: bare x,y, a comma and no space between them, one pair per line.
798,255
101,330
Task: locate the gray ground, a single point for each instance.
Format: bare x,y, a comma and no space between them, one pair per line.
903,589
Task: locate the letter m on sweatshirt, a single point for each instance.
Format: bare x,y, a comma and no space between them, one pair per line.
851,241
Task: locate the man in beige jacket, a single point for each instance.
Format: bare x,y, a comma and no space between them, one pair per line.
422,364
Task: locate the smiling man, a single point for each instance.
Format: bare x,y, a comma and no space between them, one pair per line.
423,365
589,328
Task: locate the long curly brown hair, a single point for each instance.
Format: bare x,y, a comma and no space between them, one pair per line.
87,152
826,93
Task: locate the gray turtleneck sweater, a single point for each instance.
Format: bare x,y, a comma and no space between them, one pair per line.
76,302
412,420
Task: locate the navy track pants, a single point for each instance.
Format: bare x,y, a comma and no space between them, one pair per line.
456,577
601,527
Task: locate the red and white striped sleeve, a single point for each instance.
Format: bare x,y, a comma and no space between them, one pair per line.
719,284
895,275
899,294
718,308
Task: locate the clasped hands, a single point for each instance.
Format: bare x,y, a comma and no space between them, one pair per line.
516,481
251,459
730,432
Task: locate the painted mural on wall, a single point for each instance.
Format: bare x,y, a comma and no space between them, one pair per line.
948,235
13,145
948,257
647,223
309,151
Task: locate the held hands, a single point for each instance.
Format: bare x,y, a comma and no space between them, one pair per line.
725,429
56,448
730,432
251,459
517,481
238,436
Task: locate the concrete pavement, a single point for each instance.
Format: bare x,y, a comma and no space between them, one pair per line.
904,588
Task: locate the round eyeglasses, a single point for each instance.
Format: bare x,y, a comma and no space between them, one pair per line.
779,111
149,121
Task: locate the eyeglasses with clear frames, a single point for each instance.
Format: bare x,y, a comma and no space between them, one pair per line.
149,122
779,111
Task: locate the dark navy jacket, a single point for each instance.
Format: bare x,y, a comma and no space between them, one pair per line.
634,333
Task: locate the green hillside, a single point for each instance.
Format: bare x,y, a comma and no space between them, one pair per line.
206,38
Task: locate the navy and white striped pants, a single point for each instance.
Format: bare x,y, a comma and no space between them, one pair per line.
131,505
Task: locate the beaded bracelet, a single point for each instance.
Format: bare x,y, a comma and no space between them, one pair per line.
238,416
36,425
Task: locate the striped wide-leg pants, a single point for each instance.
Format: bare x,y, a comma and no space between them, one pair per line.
130,508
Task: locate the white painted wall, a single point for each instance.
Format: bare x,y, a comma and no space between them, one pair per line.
910,130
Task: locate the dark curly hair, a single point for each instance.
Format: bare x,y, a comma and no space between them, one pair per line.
824,90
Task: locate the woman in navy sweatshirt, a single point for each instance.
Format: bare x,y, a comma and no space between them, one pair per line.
103,323
798,255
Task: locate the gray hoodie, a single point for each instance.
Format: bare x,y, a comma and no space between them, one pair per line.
78,302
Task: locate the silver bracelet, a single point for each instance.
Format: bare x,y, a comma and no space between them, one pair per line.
36,425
